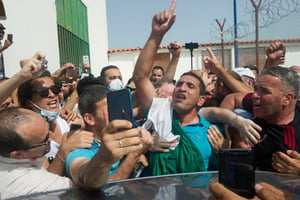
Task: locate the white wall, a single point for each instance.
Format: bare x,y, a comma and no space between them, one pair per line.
98,38
33,23
292,56
126,60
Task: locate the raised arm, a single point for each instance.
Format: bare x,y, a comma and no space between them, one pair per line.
62,70
275,54
175,50
212,63
31,68
161,23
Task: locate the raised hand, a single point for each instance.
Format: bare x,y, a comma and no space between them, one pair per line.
31,68
211,62
275,54
163,21
175,49
62,70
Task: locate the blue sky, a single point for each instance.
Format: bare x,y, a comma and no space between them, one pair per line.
129,22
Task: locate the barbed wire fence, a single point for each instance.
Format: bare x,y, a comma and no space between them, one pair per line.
270,12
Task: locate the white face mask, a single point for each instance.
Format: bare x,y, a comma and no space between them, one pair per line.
46,114
116,84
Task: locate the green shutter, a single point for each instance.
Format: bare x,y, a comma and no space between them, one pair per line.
72,26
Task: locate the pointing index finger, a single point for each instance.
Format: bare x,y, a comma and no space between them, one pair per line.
211,53
173,5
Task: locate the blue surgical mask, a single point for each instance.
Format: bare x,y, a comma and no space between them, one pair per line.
116,84
46,114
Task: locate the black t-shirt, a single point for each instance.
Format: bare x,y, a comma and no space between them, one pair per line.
274,137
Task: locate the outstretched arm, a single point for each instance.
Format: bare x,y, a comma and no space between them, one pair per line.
161,23
31,68
212,63
247,128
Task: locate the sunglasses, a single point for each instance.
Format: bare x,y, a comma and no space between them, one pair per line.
44,91
44,143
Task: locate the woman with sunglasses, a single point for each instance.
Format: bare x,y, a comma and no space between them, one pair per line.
42,96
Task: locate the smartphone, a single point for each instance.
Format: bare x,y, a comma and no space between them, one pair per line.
75,127
237,172
120,105
138,170
10,37
86,61
72,72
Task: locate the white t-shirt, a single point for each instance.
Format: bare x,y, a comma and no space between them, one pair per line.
160,118
24,177
54,146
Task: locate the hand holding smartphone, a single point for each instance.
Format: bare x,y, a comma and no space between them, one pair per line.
236,171
120,105
10,37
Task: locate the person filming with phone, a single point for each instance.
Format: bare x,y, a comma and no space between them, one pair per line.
93,107
7,43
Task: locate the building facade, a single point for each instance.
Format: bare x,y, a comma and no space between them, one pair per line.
125,59
64,30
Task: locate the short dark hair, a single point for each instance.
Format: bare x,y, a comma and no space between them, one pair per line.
288,77
104,69
201,83
89,97
10,140
103,75
87,82
159,67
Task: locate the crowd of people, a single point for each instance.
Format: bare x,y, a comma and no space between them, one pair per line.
55,131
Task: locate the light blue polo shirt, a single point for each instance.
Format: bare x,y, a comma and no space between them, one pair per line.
89,154
198,134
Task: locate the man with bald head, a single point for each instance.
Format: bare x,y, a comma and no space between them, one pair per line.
24,140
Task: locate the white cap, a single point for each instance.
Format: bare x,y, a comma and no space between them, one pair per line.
244,72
